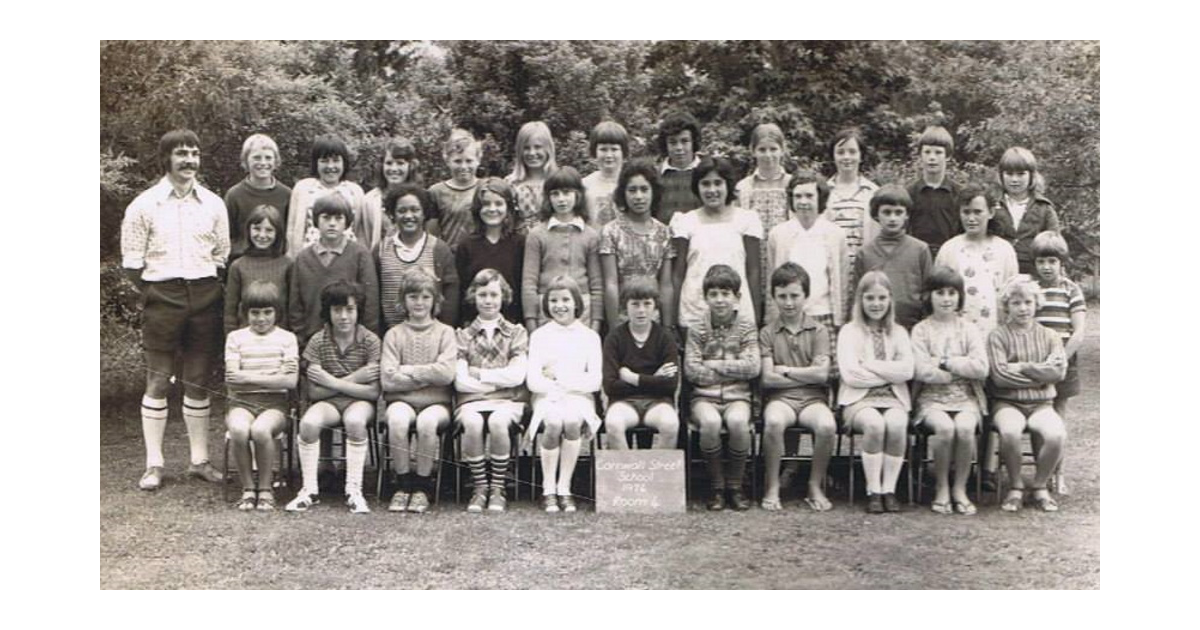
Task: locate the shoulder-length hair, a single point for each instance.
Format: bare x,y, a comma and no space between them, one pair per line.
501,189
328,146
632,169
398,149
561,283
530,131
870,280
565,178
275,218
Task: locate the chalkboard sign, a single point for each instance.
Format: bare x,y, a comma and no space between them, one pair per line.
640,482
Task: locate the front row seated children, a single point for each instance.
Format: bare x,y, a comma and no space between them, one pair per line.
951,364
875,363
795,372
641,371
416,371
1064,311
261,364
1027,359
490,381
721,359
565,366
343,384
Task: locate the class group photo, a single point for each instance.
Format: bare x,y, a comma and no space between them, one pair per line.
668,315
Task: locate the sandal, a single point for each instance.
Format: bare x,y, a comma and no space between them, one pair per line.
965,508
266,501
1012,502
1042,498
819,504
772,505
248,501
942,507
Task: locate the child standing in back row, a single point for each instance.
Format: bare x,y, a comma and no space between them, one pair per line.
396,165
260,160
679,144
449,217
608,145
533,162
329,165
1023,212
765,190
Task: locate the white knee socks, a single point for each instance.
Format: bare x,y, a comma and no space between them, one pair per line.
550,470
310,455
154,425
570,455
356,458
872,464
891,471
195,415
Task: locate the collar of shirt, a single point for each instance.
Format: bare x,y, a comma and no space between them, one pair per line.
357,339
758,176
575,222
166,191
861,184
715,326
804,324
320,249
408,252
666,165
503,327
947,184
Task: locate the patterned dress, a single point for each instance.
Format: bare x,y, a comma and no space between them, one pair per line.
985,267
768,199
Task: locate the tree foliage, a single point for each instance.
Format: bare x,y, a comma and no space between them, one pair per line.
991,95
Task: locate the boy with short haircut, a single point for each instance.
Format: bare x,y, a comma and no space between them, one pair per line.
722,357
449,217
905,260
641,371
260,160
332,257
679,144
1063,311
934,210
796,358
608,145
342,361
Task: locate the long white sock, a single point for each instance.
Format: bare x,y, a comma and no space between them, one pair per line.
356,458
195,415
310,455
549,470
570,455
154,425
891,471
872,466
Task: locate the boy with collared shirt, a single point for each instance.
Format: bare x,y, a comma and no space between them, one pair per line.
678,142
174,239
934,216
332,257
722,357
796,359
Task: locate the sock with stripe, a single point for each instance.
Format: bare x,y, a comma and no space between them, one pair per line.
479,475
499,471
154,425
735,468
195,415
716,474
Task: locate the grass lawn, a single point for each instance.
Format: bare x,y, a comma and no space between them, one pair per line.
187,536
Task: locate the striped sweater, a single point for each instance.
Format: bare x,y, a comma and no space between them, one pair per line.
435,258
1008,346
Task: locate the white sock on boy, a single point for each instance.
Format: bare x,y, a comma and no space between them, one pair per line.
356,457
195,415
310,455
154,425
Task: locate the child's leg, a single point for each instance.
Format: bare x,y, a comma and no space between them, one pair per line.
869,422
941,442
964,451
819,419
708,422
777,416
1010,423
264,431
238,421
617,420
571,445
896,442
400,416
430,422
1047,425
737,421
551,438
472,447
318,416
355,420
1062,406
499,423
665,420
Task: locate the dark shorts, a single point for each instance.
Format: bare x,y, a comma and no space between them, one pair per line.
182,315
642,405
1069,386
258,402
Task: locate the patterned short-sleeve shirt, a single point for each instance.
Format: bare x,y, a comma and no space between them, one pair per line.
323,350
638,255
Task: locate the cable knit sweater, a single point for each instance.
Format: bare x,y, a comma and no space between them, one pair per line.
431,350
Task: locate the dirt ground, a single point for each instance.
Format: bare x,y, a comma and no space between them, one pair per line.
187,536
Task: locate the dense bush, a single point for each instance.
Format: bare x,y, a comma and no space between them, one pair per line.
991,95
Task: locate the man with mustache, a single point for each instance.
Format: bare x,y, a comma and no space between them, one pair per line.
174,239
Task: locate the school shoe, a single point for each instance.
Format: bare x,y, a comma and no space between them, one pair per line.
304,500
550,503
497,502
419,502
357,503
151,479
478,502
567,503
874,504
716,501
890,503
738,501
399,502
205,471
